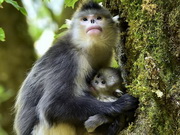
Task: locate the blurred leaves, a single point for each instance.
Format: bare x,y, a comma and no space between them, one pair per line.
64,26
15,4
70,3
4,95
1,1
2,35
46,0
2,132
99,1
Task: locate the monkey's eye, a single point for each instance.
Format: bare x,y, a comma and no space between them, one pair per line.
99,18
84,19
103,82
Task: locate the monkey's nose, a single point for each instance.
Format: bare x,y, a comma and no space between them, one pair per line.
96,81
92,21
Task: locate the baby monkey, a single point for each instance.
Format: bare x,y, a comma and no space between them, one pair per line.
107,86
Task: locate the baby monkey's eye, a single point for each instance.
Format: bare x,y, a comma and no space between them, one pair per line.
103,82
84,19
99,18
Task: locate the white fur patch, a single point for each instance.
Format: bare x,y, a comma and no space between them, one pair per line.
83,70
115,18
105,98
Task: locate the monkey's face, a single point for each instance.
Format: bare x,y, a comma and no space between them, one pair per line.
107,82
101,85
99,82
93,26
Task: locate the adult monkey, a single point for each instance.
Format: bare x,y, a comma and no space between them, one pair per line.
52,99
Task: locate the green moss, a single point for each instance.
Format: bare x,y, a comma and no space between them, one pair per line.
152,43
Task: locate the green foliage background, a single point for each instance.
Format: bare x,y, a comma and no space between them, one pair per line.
15,4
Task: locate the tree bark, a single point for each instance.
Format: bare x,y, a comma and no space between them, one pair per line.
16,57
151,41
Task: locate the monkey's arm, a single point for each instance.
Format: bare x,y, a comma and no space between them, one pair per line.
78,109
95,121
117,124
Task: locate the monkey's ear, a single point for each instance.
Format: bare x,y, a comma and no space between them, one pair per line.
68,23
116,19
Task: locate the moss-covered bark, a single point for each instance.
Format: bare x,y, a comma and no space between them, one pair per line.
16,58
153,48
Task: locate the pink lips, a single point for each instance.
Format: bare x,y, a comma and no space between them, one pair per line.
94,30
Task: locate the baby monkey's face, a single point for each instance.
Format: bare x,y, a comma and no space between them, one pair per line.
99,83
104,84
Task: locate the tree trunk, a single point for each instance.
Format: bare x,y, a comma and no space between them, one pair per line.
151,41
16,57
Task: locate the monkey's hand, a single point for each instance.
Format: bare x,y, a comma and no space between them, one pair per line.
115,127
95,121
125,103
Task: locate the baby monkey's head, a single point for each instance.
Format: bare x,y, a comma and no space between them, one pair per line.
108,81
